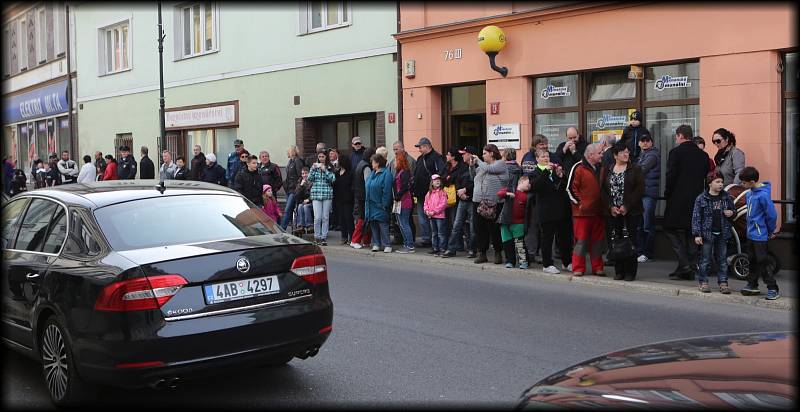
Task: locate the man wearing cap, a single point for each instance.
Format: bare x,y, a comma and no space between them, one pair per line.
233,161
458,174
633,133
429,163
650,162
67,168
126,168
213,173
358,152
147,170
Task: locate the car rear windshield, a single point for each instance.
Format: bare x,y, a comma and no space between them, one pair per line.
176,220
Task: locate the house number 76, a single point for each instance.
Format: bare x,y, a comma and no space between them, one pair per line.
452,54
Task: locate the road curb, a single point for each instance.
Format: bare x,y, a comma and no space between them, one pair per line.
784,303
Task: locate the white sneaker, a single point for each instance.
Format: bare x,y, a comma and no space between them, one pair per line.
355,245
387,249
551,269
568,268
375,248
642,259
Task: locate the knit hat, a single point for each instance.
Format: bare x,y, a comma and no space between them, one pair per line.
636,115
211,157
265,188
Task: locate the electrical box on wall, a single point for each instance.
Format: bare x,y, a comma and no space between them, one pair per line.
411,69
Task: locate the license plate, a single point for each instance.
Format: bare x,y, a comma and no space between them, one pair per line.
241,289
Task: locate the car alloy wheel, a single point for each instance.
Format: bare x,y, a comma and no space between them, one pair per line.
58,367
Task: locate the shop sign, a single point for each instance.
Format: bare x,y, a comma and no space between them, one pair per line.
42,102
504,135
555,91
205,116
668,82
608,120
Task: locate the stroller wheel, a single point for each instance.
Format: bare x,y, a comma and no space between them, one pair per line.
739,266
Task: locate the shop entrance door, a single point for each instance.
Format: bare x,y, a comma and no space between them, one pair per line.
464,116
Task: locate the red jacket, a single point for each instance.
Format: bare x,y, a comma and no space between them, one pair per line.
111,171
583,188
518,204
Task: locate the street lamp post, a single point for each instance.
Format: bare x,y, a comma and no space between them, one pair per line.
162,122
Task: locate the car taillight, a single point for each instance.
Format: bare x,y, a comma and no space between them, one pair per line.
139,294
311,268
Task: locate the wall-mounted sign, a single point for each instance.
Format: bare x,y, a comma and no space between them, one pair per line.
668,82
504,135
43,102
452,54
209,115
391,117
410,69
555,91
609,120
494,107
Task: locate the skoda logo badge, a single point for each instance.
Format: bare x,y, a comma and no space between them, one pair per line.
243,265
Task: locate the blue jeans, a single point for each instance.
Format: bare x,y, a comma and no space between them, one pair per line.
305,215
404,221
719,248
439,234
380,233
647,233
462,223
322,216
424,222
287,212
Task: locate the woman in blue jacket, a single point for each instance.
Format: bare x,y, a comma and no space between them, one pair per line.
378,203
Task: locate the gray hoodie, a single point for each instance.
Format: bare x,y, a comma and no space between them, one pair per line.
489,179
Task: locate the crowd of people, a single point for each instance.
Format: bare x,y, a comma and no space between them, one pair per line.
583,200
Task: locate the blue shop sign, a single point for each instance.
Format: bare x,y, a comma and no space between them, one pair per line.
43,102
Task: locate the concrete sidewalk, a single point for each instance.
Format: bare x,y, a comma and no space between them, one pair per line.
651,277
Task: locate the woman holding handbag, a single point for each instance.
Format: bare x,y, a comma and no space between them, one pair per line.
491,175
622,188
403,203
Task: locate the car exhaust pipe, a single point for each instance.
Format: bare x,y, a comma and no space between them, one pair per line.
313,351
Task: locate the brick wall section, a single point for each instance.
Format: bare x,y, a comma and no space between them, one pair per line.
380,129
304,136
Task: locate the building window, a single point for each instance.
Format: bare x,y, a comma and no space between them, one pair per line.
791,75
323,15
115,47
59,32
197,28
672,82
22,57
554,126
41,36
611,86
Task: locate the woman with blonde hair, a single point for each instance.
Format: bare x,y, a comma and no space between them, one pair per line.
294,168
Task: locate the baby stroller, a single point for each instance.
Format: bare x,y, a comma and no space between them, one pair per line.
738,262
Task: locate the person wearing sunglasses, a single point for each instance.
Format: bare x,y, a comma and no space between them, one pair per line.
234,161
358,152
730,159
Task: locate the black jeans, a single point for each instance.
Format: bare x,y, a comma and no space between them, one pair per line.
344,213
558,229
757,253
685,249
627,267
486,231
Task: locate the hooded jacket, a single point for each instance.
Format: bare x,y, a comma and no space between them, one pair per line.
147,170
197,166
761,214
378,196
703,215
583,188
249,185
650,162
631,136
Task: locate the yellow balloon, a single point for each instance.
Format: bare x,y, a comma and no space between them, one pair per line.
491,39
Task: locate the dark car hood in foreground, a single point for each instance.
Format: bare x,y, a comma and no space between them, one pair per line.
743,371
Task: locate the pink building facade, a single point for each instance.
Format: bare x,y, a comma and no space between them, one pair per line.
706,65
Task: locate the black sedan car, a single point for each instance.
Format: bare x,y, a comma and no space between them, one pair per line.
742,371
128,284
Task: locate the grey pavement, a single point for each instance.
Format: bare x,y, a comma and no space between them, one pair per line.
415,334
652,276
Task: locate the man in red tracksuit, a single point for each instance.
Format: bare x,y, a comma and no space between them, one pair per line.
583,187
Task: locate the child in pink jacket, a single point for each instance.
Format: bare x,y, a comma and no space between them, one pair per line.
434,206
270,203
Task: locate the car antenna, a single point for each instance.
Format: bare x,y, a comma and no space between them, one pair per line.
160,187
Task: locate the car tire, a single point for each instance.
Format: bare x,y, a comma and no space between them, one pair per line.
276,361
739,266
58,367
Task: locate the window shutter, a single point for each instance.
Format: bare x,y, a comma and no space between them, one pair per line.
14,30
101,52
302,20
49,16
31,22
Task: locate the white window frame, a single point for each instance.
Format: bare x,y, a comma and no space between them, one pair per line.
103,48
59,33
179,31
41,31
7,51
22,45
345,16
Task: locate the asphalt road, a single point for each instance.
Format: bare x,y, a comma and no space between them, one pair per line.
413,335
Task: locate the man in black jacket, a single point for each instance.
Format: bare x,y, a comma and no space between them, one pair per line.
127,164
100,165
429,163
458,174
213,173
570,151
632,134
357,154
248,182
198,163
147,168
270,172
687,167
